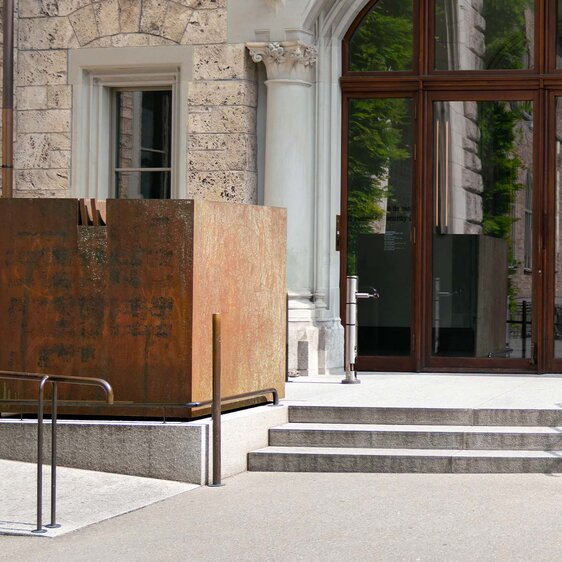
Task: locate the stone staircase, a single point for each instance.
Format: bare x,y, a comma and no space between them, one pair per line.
368,439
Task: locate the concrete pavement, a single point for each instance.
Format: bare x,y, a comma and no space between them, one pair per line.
327,517
285,517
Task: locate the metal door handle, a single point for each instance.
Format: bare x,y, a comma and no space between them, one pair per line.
374,294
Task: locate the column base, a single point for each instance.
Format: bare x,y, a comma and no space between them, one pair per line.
315,346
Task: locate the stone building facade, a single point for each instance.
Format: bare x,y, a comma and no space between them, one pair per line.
234,138
256,118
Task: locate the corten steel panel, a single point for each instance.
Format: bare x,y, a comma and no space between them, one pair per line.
116,302
38,291
239,271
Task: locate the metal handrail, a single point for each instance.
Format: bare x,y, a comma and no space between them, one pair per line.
216,402
149,405
43,379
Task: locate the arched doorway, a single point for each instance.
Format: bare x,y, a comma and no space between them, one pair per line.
451,189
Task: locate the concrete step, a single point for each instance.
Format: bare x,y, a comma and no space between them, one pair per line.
426,416
329,459
416,436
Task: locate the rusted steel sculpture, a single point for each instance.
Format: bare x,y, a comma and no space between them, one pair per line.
132,300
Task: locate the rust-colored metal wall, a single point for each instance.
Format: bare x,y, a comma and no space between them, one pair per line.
132,301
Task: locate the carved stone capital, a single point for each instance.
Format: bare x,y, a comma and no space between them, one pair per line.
286,60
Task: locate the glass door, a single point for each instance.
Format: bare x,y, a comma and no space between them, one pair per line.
481,289
379,219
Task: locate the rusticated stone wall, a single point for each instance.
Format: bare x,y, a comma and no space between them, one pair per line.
221,148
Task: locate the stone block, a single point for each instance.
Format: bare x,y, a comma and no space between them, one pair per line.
222,62
46,33
130,40
38,8
240,187
129,16
156,40
40,194
107,17
42,150
84,23
37,68
55,181
67,7
471,180
222,119
59,97
152,16
43,121
175,21
230,159
205,27
223,93
474,211
101,42
211,142
31,97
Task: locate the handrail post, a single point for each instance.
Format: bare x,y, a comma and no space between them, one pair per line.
53,524
216,407
40,411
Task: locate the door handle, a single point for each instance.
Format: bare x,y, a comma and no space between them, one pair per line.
374,294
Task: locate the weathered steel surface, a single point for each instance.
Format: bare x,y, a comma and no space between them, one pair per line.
132,301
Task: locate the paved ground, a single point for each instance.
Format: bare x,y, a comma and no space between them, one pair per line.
430,391
84,497
286,517
325,517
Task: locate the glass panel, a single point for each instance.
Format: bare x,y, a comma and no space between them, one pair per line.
482,243
142,185
144,137
379,207
383,41
484,34
559,36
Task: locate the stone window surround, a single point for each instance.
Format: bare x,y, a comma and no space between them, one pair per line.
117,67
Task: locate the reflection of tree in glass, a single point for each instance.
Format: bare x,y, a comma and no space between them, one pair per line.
505,35
384,39
501,165
500,132
376,142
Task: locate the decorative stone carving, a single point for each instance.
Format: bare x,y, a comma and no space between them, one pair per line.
293,60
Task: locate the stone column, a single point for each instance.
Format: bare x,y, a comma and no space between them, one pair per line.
289,179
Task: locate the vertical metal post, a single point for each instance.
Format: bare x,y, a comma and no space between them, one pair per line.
286,338
8,99
351,331
524,329
216,408
41,394
53,524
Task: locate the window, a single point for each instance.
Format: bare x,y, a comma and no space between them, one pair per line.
143,144
125,140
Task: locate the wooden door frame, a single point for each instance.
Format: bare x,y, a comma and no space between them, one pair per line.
541,84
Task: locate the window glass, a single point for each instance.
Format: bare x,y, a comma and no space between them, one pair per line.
484,34
143,148
482,209
383,42
559,36
379,233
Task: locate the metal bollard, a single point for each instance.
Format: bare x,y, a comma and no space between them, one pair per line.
216,407
351,327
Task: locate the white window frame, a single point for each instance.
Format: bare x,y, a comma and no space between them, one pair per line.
94,83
